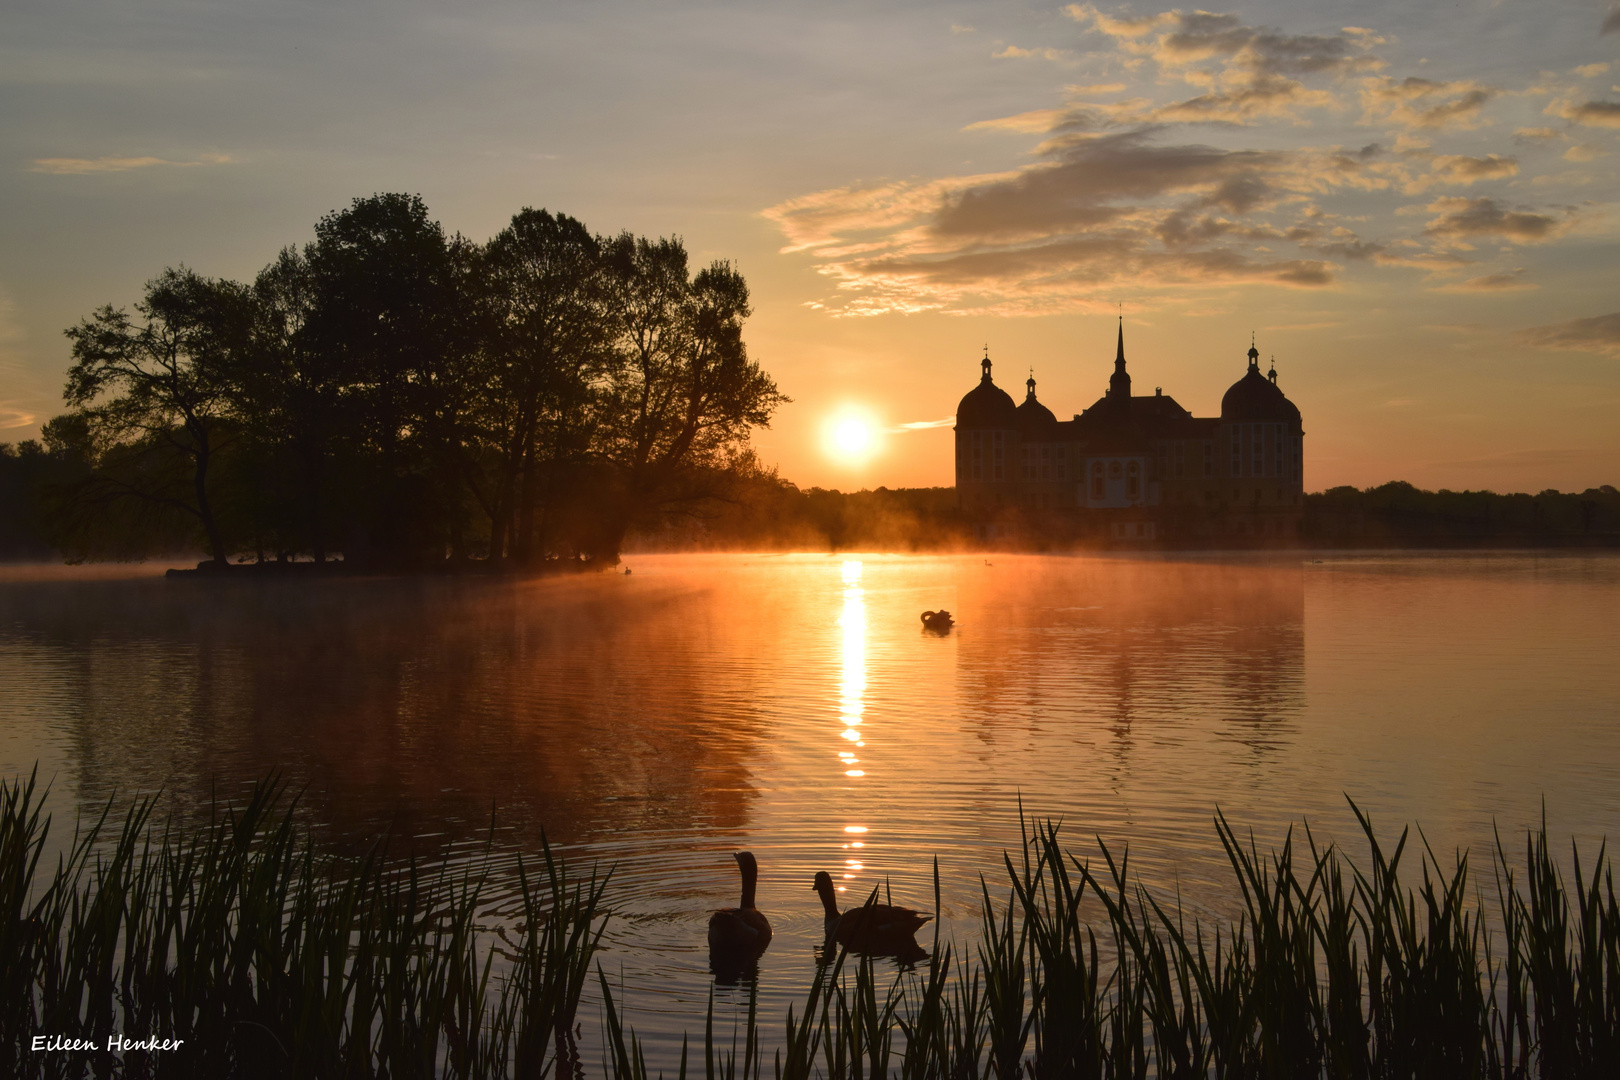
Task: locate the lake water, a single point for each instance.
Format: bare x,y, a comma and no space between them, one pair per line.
792,705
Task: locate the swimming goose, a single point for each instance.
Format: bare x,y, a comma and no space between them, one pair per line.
742,931
872,928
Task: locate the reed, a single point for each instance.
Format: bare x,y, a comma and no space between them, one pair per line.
1335,969
271,958
266,957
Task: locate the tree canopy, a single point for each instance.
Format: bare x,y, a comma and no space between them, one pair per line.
402,397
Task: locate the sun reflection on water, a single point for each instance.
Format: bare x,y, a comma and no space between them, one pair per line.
852,687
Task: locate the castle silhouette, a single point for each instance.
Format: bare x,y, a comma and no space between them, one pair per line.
1133,469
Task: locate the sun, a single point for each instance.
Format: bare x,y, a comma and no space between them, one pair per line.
852,437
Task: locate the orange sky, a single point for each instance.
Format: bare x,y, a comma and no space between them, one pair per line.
1412,210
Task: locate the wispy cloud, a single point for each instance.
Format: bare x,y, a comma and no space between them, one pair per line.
1013,52
14,418
923,425
1508,281
1598,334
61,166
1424,103
1462,170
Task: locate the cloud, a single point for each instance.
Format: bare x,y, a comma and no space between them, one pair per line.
1589,71
1611,22
1511,281
83,166
1034,122
834,220
1101,211
1117,195
1431,264
923,425
1590,113
1013,52
1245,72
1463,170
1467,219
1598,334
1180,39
14,418
1423,103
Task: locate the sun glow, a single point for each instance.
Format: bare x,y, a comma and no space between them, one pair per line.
852,437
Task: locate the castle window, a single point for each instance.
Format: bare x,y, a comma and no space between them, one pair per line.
1115,470
1209,459
1133,480
1099,483
999,468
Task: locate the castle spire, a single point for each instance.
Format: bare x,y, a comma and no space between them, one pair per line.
1030,382
985,364
1119,385
1254,354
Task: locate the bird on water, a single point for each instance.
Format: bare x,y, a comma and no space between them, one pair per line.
871,928
742,931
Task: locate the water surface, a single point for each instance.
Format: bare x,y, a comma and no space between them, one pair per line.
793,705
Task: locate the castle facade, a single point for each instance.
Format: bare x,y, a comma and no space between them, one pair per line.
1136,468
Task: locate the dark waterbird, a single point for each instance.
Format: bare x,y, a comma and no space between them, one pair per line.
875,929
737,936
938,622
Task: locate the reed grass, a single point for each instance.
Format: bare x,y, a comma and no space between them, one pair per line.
271,958
266,957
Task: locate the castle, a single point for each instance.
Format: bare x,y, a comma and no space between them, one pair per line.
1133,468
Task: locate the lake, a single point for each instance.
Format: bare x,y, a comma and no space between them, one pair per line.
794,706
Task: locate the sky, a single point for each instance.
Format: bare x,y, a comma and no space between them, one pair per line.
1414,209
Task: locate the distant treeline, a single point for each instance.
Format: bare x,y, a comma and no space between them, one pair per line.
772,513
755,510
400,398
1400,515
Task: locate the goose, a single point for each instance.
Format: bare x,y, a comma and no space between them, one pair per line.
872,928
742,931
937,621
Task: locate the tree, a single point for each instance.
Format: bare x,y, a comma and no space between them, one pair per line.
684,395
154,395
390,325
548,342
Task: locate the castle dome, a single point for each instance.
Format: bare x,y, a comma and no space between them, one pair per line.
987,405
1032,417
1256,398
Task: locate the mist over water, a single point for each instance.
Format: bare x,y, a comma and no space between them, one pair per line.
794,706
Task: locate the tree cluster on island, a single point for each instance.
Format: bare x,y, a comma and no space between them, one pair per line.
402,398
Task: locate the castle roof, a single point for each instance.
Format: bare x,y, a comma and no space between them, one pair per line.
986,405
1034,419
1256,397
